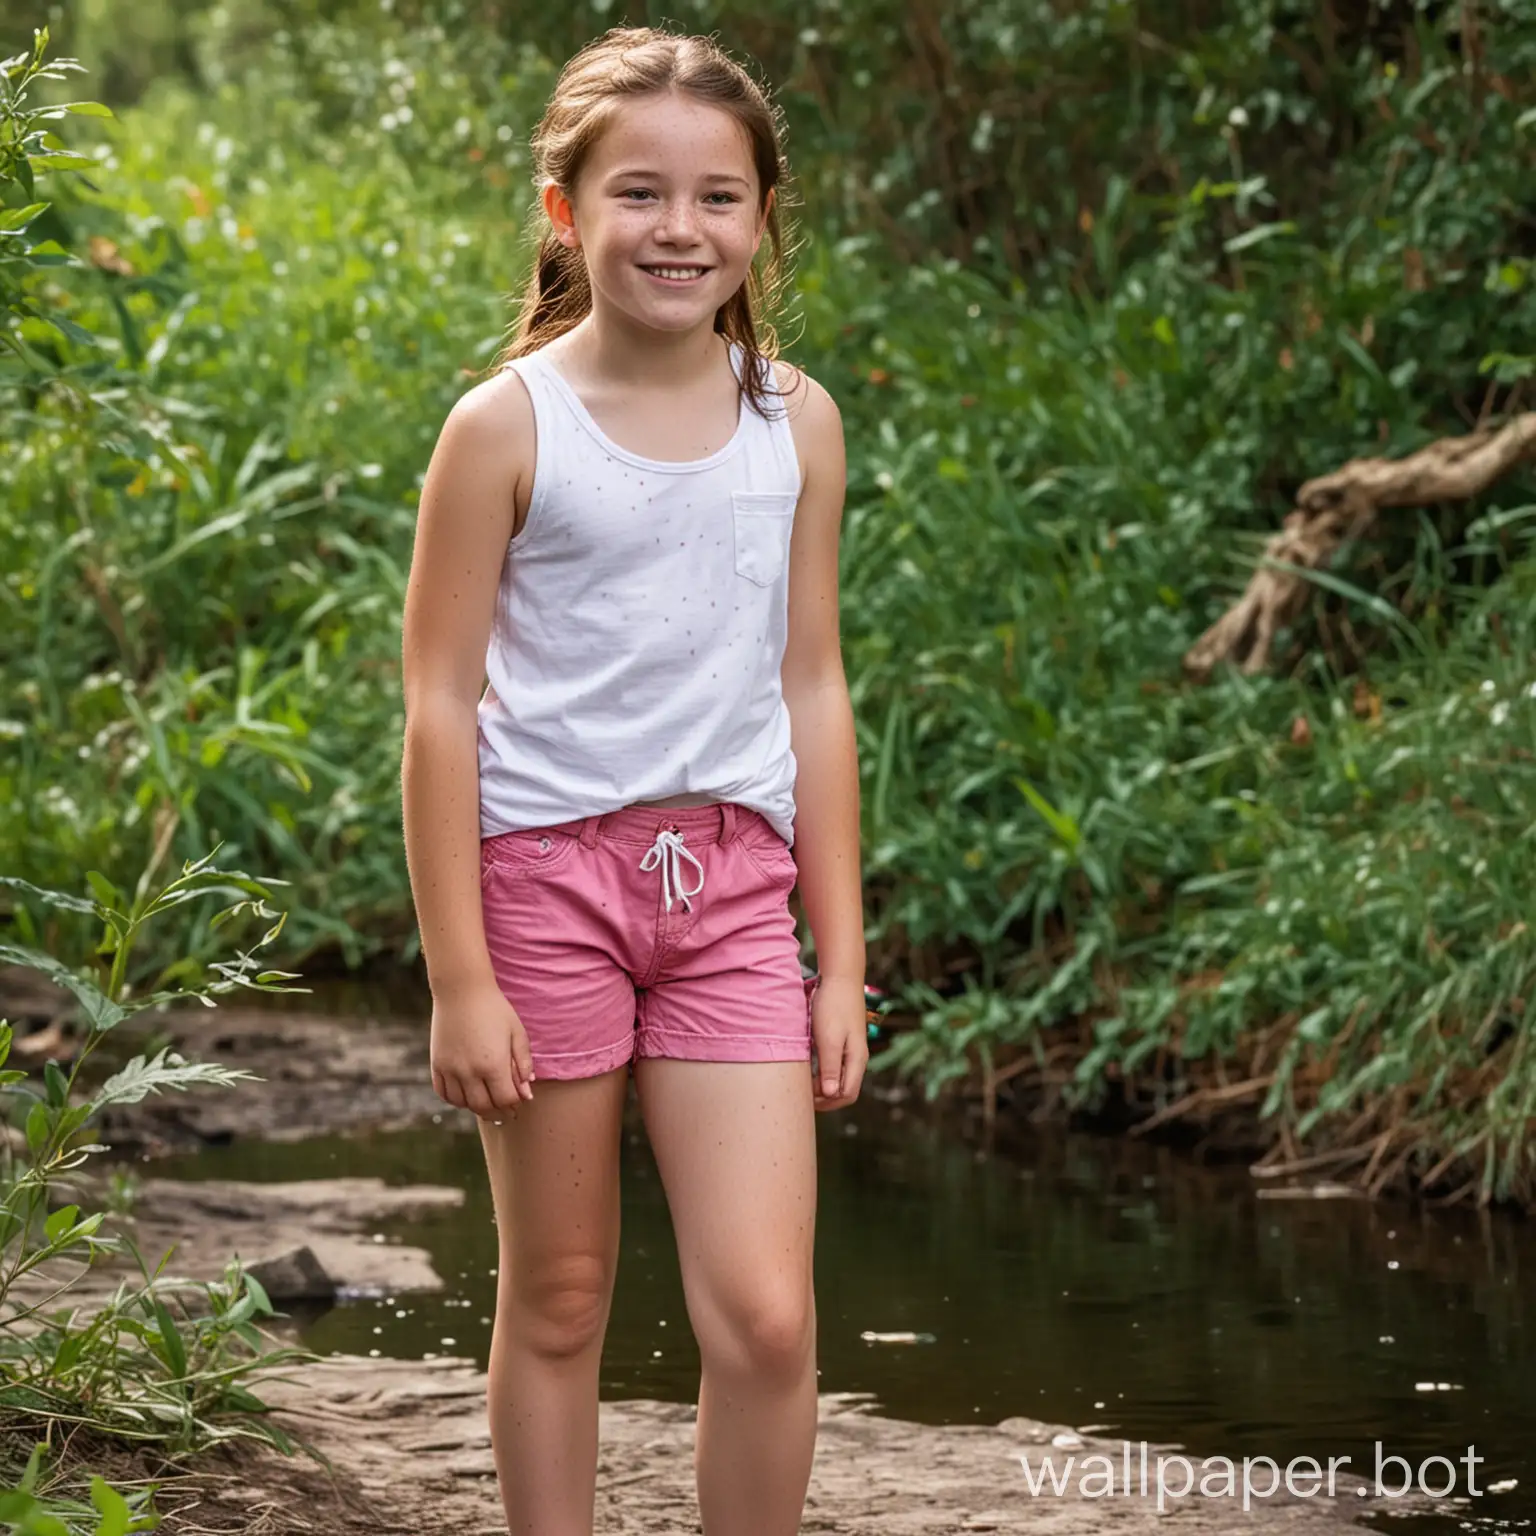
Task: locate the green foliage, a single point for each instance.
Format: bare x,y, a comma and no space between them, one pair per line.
146,1367
29,149
1204,258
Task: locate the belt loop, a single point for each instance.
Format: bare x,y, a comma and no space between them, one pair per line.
589,831
727,823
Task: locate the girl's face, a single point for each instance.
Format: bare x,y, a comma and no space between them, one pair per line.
665,212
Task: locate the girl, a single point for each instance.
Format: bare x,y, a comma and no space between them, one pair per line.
631,531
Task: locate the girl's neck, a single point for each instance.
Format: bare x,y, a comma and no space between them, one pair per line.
614,353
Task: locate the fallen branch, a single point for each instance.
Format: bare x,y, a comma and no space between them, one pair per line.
1334,509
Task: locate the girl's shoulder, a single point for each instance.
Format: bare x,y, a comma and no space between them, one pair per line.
815,424
812,412
801,395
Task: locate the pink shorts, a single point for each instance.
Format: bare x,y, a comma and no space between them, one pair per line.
662,932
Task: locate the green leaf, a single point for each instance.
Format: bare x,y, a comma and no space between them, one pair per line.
103,1015
238,1400
88,109
34,1466
57,1085
144,1075
106,893
17,219
68,1354
75,332
259,1291
1250,237
61,899
170,1338
1065,828
112,1507
60,1222
37,1128
60,160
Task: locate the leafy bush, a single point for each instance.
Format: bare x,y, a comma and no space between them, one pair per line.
1200,265
145,1368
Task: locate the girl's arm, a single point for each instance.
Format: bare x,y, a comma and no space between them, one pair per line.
465,521
822,735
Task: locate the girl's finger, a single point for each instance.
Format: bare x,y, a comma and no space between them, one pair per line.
522,1069
477,1099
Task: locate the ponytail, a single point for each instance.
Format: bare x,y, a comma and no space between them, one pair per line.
556,299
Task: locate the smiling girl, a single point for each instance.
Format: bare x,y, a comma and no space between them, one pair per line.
631,533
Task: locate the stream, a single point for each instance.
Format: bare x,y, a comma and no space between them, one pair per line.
1081,1280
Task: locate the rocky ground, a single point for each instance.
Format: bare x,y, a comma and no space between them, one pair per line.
406,1441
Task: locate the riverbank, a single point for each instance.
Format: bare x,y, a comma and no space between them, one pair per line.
408,1445
406,1441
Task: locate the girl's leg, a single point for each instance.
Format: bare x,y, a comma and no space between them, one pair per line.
735,1143
554,1172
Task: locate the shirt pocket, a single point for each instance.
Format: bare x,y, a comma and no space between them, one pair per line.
763,522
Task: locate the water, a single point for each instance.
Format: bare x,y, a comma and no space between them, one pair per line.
1081,1281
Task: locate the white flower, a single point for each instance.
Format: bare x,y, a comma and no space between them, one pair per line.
1237,117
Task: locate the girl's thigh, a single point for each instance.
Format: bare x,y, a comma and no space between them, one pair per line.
735,1143
554,1175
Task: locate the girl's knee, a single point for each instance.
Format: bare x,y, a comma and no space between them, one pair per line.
559,1307
767,1334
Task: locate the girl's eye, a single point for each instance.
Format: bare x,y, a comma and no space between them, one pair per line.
634,194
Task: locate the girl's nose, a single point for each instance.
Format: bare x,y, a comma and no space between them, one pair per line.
679,221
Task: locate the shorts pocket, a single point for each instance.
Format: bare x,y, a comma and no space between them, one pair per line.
774,861
763,522
521,854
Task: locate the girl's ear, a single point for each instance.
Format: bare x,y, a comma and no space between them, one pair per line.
762,223
561,215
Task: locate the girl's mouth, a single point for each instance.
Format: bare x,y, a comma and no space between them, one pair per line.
676,277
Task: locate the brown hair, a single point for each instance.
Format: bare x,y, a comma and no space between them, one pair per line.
630,62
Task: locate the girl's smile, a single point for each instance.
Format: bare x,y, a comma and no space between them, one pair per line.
676,277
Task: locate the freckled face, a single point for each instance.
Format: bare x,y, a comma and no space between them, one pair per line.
665,211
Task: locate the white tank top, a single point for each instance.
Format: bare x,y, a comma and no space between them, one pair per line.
640,623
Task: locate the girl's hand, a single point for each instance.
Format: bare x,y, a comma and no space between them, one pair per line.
839,1028
480,1056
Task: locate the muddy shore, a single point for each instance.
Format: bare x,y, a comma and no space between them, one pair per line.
407,1441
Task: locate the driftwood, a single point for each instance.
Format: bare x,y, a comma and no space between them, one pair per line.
1336,508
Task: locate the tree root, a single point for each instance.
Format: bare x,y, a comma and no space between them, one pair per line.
1335,509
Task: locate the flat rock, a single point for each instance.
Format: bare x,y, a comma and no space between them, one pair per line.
208,1222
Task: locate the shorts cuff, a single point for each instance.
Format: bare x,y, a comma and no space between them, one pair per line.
556,1066
680,1045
